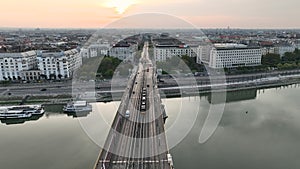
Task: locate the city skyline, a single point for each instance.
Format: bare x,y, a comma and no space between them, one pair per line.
97,14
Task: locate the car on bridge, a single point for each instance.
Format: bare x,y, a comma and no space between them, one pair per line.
143,107
127,114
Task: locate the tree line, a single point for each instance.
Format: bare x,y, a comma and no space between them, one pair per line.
290,60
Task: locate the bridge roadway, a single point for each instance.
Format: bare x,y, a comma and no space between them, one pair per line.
137,141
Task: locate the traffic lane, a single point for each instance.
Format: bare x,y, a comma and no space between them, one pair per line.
126,133
40,91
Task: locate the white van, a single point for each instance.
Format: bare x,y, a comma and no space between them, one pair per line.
170,160
127,114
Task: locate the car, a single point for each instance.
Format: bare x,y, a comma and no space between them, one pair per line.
143,107
127,114
44,89
143,103
143,98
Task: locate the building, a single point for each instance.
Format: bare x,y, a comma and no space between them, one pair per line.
122,51
203,53
95,50
59,65
282,49
230,56
234,55
267,50
31,75
34,65
162,52
12,64
279,49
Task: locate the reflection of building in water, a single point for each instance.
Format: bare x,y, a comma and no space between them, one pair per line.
20,121
232,96
57,110
78,114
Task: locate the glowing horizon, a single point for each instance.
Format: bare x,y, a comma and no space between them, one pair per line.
98,13
120,5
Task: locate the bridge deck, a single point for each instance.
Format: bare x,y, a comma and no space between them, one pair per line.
137,141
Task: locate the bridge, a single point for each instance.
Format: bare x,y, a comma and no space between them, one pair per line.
137,135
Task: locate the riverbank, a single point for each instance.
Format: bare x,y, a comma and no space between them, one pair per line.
48,100
174,91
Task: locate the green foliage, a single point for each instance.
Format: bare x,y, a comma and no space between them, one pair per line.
108,66
104,68
288,66
271,60
184,64
291,56
5,83
290,60
192,64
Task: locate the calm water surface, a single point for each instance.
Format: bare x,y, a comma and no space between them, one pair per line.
266,137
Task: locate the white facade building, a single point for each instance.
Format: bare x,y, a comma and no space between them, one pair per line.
122,52
267,50
95,50
234,55
32,65
12,64
59,65
203,53
281,50
162,52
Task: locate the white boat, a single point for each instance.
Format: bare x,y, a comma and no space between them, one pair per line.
23,111
35,109
77,106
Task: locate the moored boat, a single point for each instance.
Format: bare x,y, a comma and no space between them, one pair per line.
18,112
77,106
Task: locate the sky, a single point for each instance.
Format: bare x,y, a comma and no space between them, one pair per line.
100,13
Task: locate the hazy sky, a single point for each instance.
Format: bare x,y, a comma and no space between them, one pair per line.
202,13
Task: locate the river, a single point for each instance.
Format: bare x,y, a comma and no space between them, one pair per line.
258,129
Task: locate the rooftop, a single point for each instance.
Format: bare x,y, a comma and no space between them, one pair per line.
17,55
232,46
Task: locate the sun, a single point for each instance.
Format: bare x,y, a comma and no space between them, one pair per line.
120,5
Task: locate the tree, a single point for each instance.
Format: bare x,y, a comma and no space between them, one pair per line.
289,57
108,73
271,60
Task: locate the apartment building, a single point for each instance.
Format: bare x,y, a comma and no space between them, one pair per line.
162,52
234,55
13,64
59,65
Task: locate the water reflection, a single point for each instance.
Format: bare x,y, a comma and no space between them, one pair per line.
265,137
78,114
21,120
57,110
50,111
234,96
259,129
